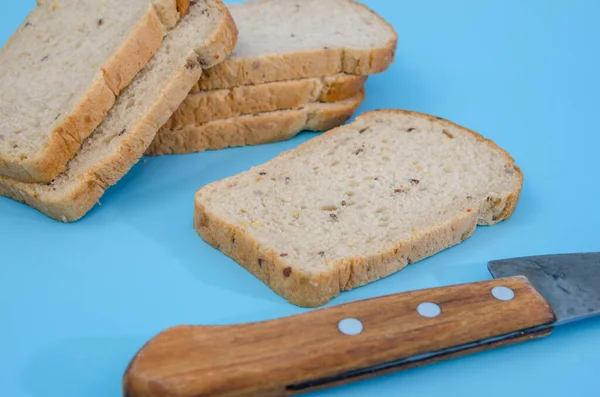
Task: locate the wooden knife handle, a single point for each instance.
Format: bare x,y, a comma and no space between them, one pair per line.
339,344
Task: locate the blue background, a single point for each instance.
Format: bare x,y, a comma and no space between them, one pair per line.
77,301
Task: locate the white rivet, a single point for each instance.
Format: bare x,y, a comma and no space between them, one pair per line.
428,309
503,293
350,326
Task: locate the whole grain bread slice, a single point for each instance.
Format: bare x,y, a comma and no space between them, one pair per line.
358,203
256,129
250,99
204,37
61,71
289,39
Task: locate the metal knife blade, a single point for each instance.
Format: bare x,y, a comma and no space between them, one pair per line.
569,282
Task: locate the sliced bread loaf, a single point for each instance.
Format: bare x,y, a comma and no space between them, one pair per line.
259,128
358,203
204,37
249,99
61,70
290,39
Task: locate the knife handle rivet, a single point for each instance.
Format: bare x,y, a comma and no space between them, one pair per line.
350,326
428,309
503,293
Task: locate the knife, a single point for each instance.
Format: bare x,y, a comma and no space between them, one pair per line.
527,298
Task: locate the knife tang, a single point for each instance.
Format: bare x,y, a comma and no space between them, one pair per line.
340,344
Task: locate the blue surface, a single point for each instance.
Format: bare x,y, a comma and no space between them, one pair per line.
77,301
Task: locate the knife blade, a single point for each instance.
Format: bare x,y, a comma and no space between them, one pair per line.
526,299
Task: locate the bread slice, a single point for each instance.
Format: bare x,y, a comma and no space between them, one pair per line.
213,105
204,37
61,71
290,39
256,129
358,203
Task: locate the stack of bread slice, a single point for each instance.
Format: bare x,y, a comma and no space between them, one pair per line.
75,116
171,76
298,65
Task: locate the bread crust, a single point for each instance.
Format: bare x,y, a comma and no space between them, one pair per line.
260,128
76,124
206,106
292,66
71,205
183,7
313,290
